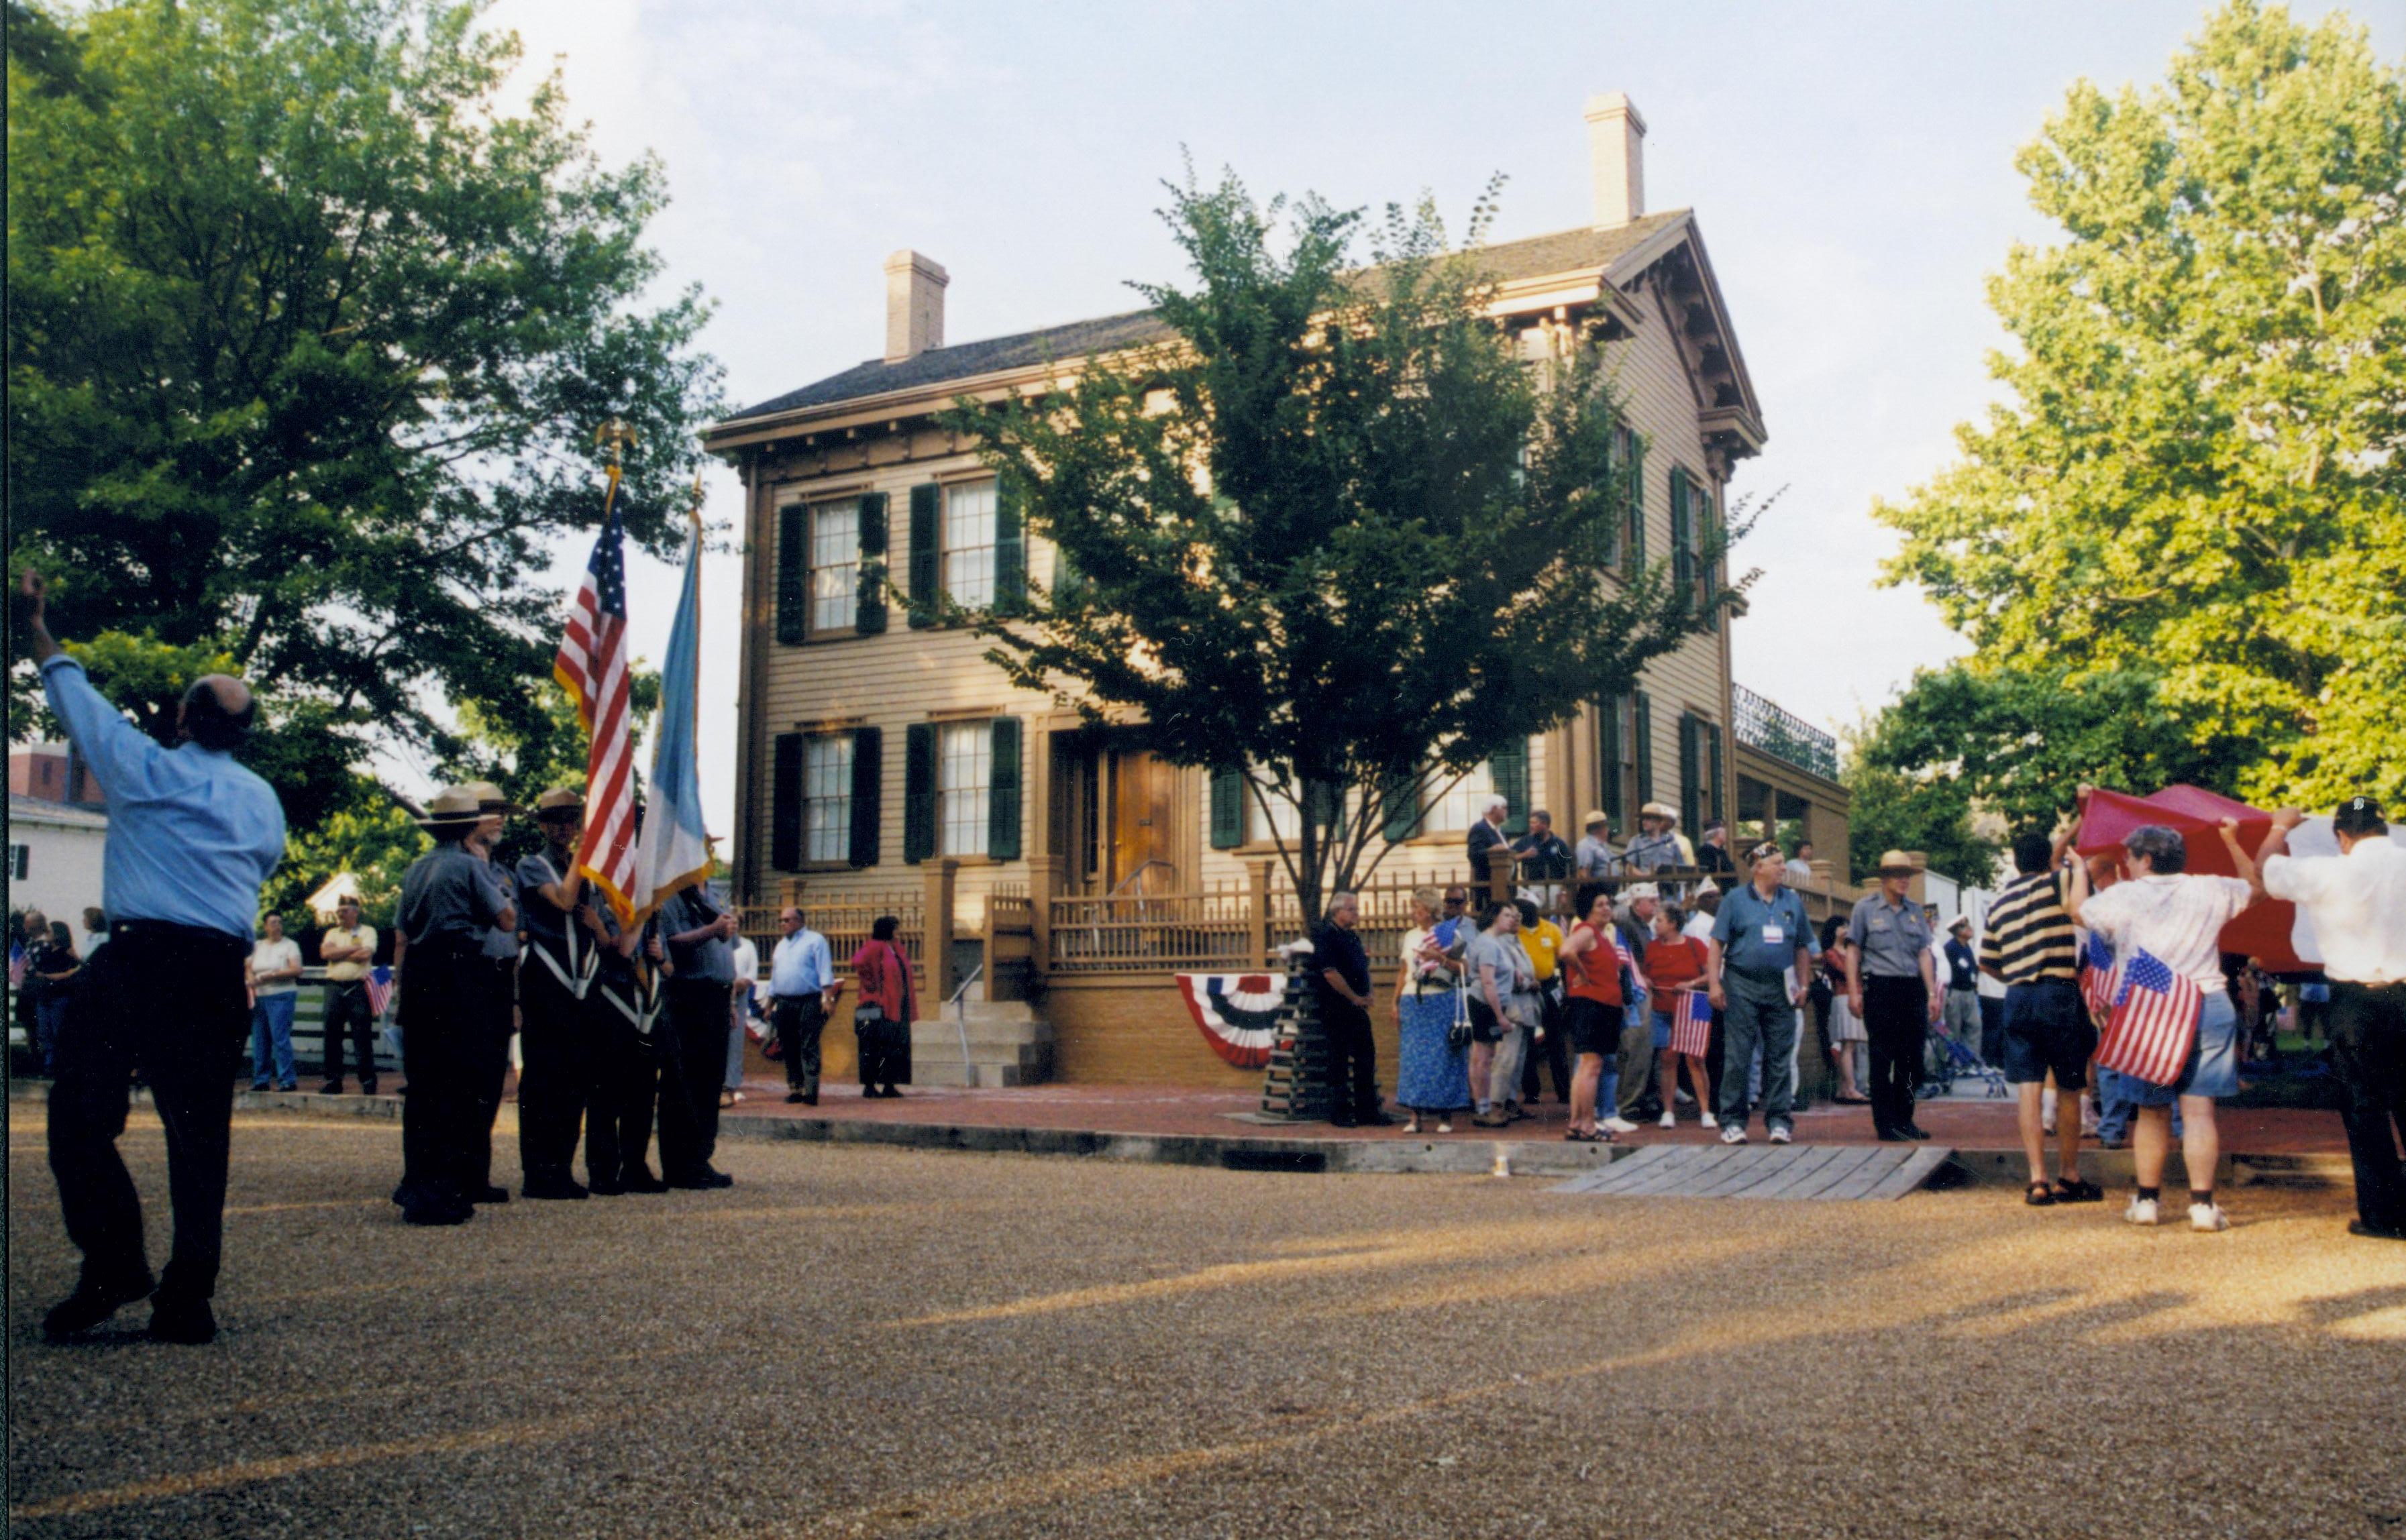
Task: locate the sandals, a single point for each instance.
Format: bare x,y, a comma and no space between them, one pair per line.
2073,1190
1602,1136
2039,1195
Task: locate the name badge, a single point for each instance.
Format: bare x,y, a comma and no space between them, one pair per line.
1773,935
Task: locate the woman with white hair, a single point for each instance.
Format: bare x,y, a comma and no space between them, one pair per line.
1431,1073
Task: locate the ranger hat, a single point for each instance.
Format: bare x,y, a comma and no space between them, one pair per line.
489,798
1656,810
452,807
1896,862
1592,819
558,799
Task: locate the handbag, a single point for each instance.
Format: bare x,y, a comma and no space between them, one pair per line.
1457,1034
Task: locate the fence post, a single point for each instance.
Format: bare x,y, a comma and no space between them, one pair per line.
1043,883
1499,874
936,932
1257,908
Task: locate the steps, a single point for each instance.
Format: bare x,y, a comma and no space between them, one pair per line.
1008,1045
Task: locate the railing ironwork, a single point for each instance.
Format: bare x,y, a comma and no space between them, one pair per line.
1764,725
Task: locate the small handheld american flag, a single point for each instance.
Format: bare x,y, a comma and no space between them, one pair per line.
2099,983
2155,1021
379,990
1692,1024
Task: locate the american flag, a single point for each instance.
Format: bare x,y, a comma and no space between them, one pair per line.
1692,1024
379,989
1633,978
2155,1021
592,665
2098,983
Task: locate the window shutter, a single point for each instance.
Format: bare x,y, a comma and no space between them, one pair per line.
1707,501
785,804
1323,804
1068,584
1683,534
1402,794
1509,768
1607,754
793,573
1227,809
868,612
1645,746
1010,546
918,791
1002,792
1633,548
1713,768
868,783
1691,791
926,519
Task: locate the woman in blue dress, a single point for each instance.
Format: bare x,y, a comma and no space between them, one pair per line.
1432,1077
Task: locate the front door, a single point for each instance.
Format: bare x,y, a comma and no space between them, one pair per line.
1143,847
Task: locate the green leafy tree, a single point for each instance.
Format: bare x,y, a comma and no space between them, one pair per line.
2200,471
1889,808
307,341
1335,534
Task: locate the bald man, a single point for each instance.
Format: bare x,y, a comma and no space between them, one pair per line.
192,836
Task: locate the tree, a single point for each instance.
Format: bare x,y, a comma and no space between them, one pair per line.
1890,810
2200,470
307,341
1334,535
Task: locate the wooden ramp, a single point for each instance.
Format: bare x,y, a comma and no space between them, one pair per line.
1822,1171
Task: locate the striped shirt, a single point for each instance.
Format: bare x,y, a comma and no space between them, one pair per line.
2028,937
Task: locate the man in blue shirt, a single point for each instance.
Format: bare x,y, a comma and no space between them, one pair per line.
803,989
192,836
1761,963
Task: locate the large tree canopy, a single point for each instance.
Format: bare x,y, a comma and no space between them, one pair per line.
307,341
1337,535
2200,474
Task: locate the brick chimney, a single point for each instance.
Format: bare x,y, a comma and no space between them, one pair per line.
1616,142
914,305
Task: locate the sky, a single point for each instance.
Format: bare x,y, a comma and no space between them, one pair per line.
1850,164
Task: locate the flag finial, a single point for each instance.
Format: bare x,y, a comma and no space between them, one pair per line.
617,432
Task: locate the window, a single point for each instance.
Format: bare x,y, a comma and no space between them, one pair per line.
835,564
1617,758
964,765
826,798
968,544
1458,808
21,858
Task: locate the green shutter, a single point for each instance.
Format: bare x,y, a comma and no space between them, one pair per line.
1402,794
1691,791
1713,768
867,786
1509,767
1010,546
1644,747
918,792
785,804
1070,588
1632,554
1610,791
793,573
1705,499
1323,804
1227,809
927,520
1002,796
1683,534
869,613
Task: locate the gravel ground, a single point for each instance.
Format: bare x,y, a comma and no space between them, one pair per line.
862,1341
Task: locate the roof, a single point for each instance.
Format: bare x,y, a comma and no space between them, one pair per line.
1565,251
33,809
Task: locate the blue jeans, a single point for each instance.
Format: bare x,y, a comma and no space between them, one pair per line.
50,1019
271,1020
2117,1105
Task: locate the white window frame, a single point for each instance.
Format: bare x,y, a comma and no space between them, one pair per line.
966,542
834,584
826,798
1455,808
963,786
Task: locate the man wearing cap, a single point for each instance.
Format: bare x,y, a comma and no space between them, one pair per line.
2357,901
450,905
192,837
500,977
693,1055
348,951
1892,988
1961,1009
557,1023
1595,861
1659,843
1760,965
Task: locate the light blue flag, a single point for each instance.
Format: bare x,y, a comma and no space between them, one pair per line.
675,850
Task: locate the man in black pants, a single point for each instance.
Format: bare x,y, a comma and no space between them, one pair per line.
557,1027
450,905
348,951
192,837
1341,976
693,1063
1891,984
626,1000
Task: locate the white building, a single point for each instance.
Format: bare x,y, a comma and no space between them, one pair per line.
54,857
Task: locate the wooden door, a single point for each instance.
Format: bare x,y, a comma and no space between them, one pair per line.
1142,824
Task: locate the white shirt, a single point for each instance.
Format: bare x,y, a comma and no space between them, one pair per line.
2176,919
2357,902
1700,925
274,957
747,965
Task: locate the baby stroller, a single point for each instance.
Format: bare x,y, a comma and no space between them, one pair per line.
1958,1062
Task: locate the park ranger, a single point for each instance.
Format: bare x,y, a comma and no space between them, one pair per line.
500,955
558,1025
626,1060
450,904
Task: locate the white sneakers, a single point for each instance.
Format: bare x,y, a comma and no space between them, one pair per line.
1666,1120
1734,1134
1781,1136
1622,1126
1710,1122
2208,1216
2142,1210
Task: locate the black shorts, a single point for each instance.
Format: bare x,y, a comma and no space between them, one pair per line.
2047,1029
1484,1028
1595,1026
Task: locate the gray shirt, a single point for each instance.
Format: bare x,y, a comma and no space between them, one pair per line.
1652,851
711,961
537,916
1514,974
1891,936
450,894
1595,857
502,945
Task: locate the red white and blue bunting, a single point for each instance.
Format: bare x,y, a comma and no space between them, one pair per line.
1237,1014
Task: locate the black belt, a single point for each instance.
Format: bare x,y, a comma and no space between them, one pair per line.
171,930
